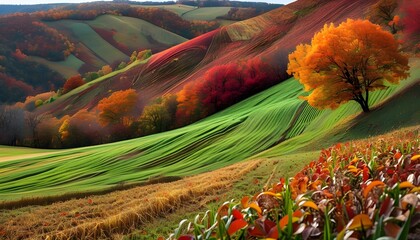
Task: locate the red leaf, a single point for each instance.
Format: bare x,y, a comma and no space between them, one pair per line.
392,229
274,233
365,173
236,226
385,206
186,237
237,214
397,155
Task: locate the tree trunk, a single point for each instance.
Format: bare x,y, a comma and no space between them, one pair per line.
363,101
365,107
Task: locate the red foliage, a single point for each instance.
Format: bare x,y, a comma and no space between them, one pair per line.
72,83
12,87
223,86
411,20
32,37
109,37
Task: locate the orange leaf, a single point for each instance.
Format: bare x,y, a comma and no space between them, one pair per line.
406,184
277,195
416,189
255,206
236,225
397,155
361,221
285,220
371,185
244,202
327,193
351,167
309,204
415,157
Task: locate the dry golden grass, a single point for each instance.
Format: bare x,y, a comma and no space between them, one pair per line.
120,212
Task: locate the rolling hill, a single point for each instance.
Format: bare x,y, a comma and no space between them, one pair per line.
80,38
273,122
233,142
110,39
269,37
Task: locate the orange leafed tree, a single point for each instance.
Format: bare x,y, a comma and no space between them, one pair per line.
347,62
117,107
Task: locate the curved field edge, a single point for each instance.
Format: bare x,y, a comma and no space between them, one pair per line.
237,133
118,212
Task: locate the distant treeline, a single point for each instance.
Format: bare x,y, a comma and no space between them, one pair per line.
9,9
259,6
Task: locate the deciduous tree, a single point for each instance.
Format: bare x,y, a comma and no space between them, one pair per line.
72,83
117,107
347,62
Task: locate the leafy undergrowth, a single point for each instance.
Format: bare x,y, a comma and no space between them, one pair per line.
108,216
365,189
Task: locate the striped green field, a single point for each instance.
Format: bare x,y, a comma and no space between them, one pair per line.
86,35
245,130
136,33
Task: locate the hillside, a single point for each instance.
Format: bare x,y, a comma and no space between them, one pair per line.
269,37
271,117
207,139
39,51
264,120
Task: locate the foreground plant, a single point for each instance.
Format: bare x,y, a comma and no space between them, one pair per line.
360,190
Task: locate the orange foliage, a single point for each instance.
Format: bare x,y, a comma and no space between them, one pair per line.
106,70
81,129
189,106
117,107
72,83
347,62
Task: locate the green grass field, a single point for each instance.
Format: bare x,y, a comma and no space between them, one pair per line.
136,33
87,36
6,151
237,133
206,13
66,68
176,8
